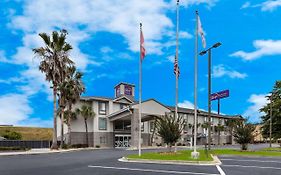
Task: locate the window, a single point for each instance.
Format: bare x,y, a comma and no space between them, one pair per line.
102,124
102,109
142,126
128,90
102,140
123,106
151,126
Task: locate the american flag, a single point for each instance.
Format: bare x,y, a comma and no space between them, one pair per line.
142,49
176,67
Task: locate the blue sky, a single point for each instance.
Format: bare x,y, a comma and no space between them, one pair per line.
105,37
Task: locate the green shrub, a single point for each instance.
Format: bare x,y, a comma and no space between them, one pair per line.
13,149
65,146
79,146
97,146
12,135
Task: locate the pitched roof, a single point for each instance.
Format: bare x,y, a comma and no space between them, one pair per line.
191,111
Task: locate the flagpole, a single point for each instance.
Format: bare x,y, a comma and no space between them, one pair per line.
177,71
195,154
140,92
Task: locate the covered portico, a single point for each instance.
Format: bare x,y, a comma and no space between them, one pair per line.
129,117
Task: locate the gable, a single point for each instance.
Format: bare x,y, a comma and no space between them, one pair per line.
152,107
123,99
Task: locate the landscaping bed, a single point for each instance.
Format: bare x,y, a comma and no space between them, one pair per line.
246,153
184,155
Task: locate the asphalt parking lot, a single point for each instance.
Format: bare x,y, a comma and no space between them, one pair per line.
105,162
235,165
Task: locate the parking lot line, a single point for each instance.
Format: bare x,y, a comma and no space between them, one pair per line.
150,170
220,170
251,160
246,166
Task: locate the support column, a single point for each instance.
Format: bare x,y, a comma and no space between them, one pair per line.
135,129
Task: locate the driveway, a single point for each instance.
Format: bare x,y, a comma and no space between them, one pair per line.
104,162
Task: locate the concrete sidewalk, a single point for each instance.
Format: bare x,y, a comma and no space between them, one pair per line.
42,151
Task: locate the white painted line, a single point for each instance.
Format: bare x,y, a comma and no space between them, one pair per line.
150,170
251,160
244,166
220,170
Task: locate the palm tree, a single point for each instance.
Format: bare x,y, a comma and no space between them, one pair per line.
71,90
218,129
231,124
54,59
69,115
205,126
86,112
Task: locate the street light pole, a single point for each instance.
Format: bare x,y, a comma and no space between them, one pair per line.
209,98
209,87
270,122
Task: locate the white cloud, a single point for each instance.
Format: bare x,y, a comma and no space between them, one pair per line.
270,5
36,122
257,102
186,104
220,71
3,58
263,48
14,108
246,5
106,49
185,35
187,3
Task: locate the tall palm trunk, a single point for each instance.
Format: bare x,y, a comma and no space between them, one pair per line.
68,125
231,135
62,128
219,137
69,133
87,135
55,144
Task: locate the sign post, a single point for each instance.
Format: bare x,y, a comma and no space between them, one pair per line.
218,96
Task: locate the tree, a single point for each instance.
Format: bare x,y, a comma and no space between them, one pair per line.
70,91
53,61
231,124
218,129
69,116
86,112
12,135
243,134
275,103
169,128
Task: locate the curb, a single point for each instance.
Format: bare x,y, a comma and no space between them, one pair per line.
48,152
216,161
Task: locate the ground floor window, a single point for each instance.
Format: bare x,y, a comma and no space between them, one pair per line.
102,123
103,140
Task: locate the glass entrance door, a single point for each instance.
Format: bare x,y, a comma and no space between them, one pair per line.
122,141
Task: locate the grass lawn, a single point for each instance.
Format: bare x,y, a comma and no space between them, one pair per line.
244,153
179,156
272,149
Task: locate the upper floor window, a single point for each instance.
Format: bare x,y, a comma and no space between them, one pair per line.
128,90
123,106
102,108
